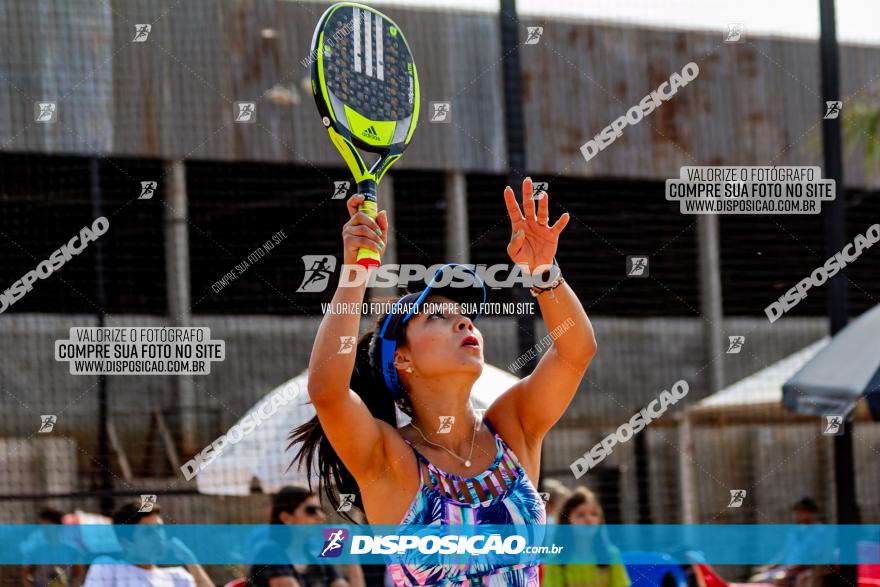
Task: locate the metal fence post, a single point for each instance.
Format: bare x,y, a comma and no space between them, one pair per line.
105,474
458,248
179,292
710,298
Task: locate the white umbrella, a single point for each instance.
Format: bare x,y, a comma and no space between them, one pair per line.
765,386
262,453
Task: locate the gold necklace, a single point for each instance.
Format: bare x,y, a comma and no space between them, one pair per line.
467,461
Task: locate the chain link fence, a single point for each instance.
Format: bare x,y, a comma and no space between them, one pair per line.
192,249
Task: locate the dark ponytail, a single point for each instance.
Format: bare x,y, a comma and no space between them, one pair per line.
368,383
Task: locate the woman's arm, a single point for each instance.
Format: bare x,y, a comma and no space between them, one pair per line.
339,409
544,395
540,399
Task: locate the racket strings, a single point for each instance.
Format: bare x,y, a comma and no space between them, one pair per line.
372,97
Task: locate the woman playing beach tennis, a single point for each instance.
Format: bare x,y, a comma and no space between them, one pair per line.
450,465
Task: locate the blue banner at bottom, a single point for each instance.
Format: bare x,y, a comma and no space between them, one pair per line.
497,545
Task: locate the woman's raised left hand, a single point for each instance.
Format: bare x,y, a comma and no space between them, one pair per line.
533,241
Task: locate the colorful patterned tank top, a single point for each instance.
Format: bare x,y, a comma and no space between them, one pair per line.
503,494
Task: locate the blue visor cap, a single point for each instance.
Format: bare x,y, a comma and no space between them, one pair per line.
457,282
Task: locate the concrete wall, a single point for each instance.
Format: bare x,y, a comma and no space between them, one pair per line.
172,96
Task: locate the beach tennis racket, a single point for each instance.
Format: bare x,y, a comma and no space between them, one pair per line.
367,91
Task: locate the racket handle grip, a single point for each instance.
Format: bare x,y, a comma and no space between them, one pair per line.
366,257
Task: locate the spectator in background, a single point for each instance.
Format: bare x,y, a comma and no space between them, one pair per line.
141,537
48,544
558,493
293,506
582,508
788,568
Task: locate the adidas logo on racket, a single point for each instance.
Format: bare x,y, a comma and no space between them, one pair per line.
371,133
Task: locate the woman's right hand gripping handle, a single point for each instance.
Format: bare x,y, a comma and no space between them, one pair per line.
330,366
361,231
339,409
